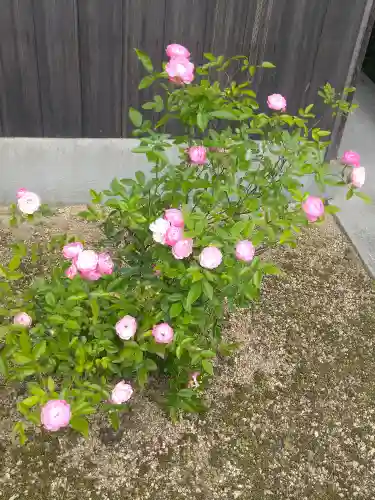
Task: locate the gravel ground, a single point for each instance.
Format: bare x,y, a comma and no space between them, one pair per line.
292,413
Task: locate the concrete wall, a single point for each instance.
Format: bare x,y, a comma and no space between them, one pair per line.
63,170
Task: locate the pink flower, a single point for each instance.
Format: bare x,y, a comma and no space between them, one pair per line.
313,208
23,319
162,333
159,229
197,155
173,235
351,158
21,192
176,50
105,263
55,414
92,275
121,393
210,257
87,260
276,102
193,382
28,203
183,248
174,216
126,327
180,70
245,251
358,176
71,272
72,250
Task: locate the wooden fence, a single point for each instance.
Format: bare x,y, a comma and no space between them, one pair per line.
68,69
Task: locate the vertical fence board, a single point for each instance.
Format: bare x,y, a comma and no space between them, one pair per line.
58,60
185,23
143,29
291,44
19,92
100,42
336,46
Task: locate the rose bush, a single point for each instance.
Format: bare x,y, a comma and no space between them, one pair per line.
179,248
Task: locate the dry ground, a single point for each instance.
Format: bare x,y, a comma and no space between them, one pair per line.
292,413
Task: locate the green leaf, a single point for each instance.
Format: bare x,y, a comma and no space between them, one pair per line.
50,299
25,343
141,178
150,365
14,263
207,366
114,420
224,115
13,276
175,310
50,384
3,365
146,82
193,295
267,64
142,376
39,349
31,401
363,196
208,289
257,278
159,104
331,209
202,120
95,310
81,425
268,268
145,60
3,331
135,117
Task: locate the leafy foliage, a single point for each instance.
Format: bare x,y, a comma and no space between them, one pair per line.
249,189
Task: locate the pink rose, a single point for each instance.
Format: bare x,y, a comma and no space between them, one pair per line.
72,250
105,263
28,203
159,229
180,70
351,158
358,176
193,382
183,248
197,155
313,208
121,393
87,260
93,275
55,414
176,50
210,257
162,333
126,327
276,102
71,272
21,192
245,251
23,319
173,235
174,216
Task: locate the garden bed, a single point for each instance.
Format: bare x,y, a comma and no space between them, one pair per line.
292,413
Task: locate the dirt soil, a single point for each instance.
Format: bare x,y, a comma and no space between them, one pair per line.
292,413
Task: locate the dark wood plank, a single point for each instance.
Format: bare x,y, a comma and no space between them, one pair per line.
59,72
226,25
19,92
185,23
143,27
100,42
291,43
